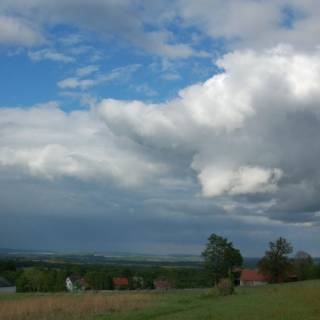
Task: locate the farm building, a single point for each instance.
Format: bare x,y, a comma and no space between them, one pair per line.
292,277
251,277
120,283
137,282
76,284
161,284
6,286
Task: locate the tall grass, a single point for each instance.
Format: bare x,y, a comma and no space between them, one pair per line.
70,306
292,301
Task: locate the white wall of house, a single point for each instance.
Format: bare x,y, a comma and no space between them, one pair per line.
69,284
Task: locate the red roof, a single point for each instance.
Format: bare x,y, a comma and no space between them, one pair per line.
120,281
252,275
161,284
83,283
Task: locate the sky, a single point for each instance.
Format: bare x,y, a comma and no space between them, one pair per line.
144,126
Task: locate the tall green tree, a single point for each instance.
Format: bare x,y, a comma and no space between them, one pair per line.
220,258
276,263
304,266
99,280
31,279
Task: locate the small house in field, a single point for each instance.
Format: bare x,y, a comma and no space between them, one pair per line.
137,282
120,283
292,277
161,284
251,277
76,284
6,286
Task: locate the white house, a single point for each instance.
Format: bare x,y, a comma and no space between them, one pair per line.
76,284
69,284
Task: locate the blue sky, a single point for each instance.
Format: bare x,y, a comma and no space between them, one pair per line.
37,71
144,126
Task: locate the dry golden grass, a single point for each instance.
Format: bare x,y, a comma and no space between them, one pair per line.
71,306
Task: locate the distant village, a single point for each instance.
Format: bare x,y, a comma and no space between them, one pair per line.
246,277
119,283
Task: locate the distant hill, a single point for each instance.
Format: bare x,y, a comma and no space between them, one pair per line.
110,258
113,258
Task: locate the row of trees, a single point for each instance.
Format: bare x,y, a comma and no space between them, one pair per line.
50,278
277,264
222,259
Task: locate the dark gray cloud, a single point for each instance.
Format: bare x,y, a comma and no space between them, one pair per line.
133,227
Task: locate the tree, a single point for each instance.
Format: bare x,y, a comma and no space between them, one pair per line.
317,271
304,266
220,258
31,280
275,262
99,280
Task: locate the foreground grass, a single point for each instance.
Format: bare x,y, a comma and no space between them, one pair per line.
295,301
68,306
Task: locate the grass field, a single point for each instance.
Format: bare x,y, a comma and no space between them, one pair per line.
295,301
65,306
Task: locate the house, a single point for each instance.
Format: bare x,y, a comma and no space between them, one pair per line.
137,282
161,284
83,284
76,284
120,283
6,286
69,284
236,272
250,277
292,277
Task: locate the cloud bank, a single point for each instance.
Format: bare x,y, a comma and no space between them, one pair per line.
147,25
246,136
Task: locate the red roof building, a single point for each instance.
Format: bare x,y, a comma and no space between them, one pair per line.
251,277
120,282
84,284
161,284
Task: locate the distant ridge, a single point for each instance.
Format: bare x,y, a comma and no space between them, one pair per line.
114,258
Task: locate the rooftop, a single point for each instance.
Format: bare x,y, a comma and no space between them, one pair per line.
252,275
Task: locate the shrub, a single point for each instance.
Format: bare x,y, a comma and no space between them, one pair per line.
225,287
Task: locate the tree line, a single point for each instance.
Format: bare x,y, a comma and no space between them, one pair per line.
223,261
33,277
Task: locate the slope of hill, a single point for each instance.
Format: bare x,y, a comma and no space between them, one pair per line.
294,301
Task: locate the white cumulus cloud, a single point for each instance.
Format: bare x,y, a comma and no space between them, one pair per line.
50,54
244,180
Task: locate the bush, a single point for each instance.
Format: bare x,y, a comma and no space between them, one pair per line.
225,287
